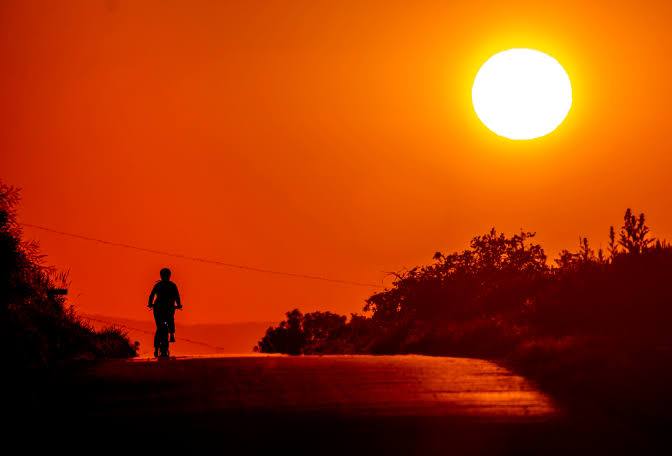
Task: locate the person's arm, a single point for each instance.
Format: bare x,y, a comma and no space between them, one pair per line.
151,297
177,298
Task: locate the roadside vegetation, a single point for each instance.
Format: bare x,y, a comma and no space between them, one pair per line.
37,327
592,327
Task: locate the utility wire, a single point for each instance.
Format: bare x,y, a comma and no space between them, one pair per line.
201,259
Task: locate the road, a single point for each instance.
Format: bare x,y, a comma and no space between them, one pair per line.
312,404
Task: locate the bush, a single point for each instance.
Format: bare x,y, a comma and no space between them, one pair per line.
37,328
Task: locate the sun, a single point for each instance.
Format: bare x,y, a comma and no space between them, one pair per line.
522,94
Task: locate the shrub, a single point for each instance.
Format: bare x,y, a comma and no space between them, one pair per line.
37,328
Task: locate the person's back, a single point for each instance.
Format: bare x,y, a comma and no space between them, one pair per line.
166,295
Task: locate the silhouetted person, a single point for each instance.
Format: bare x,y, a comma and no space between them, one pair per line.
167,300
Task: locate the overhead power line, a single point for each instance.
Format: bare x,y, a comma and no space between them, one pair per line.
201,259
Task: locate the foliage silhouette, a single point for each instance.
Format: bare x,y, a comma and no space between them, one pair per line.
36,326
487,299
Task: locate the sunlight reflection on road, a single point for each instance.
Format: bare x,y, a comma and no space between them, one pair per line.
340,385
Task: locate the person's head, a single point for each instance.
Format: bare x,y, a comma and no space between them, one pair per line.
165,274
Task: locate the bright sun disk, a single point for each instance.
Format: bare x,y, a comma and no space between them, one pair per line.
522,94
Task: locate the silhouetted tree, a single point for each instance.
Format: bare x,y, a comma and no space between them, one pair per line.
634,233
585,256
493,295
314,332
321,327
613,246
287,337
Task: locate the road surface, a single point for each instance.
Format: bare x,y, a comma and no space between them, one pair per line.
317,405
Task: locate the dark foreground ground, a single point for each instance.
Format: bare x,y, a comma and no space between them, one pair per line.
302,405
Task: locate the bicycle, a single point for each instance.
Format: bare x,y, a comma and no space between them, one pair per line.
161,337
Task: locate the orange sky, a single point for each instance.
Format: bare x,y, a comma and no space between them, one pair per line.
327,138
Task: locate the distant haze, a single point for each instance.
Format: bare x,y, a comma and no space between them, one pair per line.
231,338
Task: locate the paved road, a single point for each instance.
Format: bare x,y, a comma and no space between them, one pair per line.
317,405
334,385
